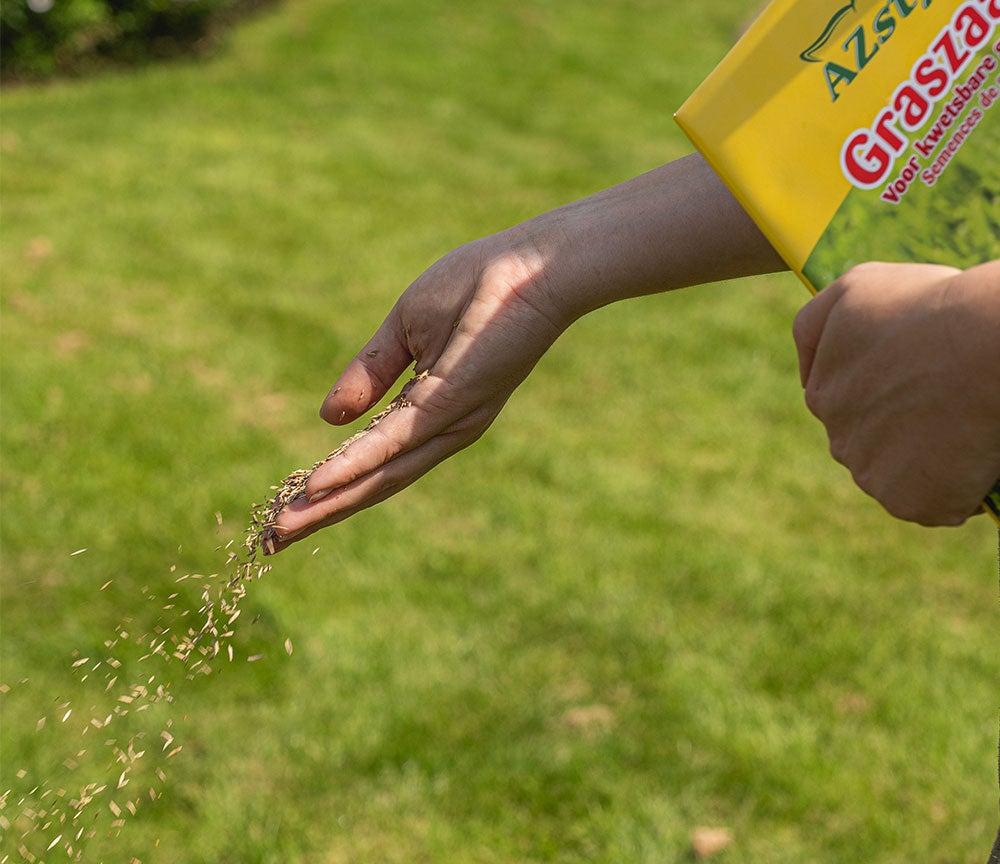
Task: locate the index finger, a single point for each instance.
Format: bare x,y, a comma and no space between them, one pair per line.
407,423
809,324
368,377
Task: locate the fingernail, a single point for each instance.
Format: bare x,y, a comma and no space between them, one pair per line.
267,542
319,496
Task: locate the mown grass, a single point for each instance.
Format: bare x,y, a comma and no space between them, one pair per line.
645,601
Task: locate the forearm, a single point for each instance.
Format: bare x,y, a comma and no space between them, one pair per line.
672,227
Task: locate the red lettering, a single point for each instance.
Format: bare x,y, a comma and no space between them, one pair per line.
894,192
947,45
891,195
868,155
977,28
913,107
931,77
893,140
864,160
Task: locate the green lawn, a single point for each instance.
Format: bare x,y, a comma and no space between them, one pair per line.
646,601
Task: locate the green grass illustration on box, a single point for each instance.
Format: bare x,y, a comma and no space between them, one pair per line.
954,221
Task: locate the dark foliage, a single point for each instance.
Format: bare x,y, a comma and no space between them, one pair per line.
44,38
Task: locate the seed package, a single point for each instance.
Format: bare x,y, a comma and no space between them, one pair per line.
861,131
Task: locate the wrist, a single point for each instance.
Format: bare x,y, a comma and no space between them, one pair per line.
672,227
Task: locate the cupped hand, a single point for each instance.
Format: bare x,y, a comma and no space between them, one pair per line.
478,320
899,362
473,326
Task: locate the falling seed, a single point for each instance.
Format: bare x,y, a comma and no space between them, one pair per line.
213,627
78,552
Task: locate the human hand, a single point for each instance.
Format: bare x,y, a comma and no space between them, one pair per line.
475,323
899,362
479,319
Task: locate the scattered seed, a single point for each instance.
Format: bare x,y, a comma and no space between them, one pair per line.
193,648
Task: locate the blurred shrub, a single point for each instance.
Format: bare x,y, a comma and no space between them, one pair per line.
42,38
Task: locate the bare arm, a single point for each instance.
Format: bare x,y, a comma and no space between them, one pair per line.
673,227
478,320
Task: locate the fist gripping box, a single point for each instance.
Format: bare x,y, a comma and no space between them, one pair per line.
861,131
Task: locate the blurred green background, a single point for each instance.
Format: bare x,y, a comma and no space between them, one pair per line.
646,601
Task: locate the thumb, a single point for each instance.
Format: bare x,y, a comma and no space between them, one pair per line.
809,325
368,377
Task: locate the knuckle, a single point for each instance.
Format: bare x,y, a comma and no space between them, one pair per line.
839,452
814,401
